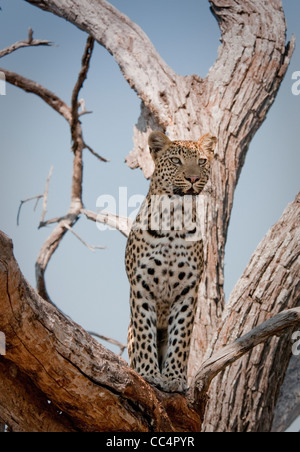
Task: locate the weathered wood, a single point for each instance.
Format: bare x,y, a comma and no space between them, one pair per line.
288,405
30,42
249,389
86,381
24,407
229,354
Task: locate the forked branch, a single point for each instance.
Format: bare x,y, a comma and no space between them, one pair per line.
44,196
71,114
30,42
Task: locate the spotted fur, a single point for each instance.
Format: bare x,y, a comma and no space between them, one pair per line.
164,261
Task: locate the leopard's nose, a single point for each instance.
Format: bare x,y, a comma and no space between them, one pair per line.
193,179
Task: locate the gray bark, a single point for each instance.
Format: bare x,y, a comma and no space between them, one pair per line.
288,405
249,389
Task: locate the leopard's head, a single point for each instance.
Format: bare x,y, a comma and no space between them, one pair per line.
181,167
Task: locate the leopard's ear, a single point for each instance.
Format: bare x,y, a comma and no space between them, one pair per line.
208,143
157,142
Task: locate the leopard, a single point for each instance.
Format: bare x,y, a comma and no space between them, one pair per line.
165,261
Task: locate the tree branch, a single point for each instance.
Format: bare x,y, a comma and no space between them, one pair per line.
32,87
85,65
231,353
36,198
47,251
66,222
122,224
126,41
90,247
45,196
29,43
102,159
121,346
269,285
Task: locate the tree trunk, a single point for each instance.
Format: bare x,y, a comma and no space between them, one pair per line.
231,102
249,389
288,405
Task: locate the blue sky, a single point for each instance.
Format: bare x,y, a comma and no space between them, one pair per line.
92,287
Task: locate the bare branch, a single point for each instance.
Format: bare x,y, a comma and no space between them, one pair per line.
30,35
142,66
122,224
32,87
90,247
76,131
102,159
51,221
85,64
37,198
29,43
121,346
45,254
45,195
275,326
84,111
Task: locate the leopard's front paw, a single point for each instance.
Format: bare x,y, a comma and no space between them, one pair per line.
175,385
155,380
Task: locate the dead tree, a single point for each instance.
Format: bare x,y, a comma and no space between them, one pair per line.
50,358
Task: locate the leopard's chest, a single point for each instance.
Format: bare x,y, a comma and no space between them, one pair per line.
164,265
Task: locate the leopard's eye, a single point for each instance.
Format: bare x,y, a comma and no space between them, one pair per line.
176,161
202,162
